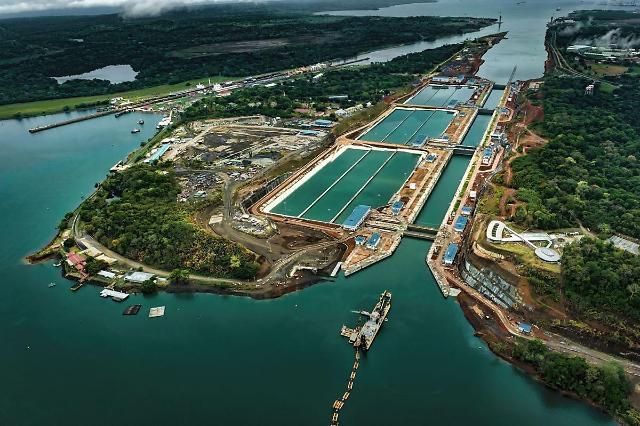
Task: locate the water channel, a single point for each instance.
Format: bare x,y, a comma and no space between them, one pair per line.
72,358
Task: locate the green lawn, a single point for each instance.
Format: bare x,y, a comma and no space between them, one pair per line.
57,105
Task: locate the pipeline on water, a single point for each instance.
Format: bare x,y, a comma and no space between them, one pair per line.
339,403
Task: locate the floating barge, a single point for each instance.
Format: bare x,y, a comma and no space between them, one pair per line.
363,336
132,310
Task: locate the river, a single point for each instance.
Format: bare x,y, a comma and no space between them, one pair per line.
524,20
72,358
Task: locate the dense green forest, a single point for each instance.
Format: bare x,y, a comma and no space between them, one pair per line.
135,213
607,385
590,169
360,84
599,280
182,45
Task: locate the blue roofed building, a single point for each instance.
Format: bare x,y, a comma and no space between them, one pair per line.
158,153
323,123
524,328
357,216
460,224
374,241
450,254
397,207
466,210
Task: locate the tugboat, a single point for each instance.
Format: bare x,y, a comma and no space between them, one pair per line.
52,285
135,131
362,337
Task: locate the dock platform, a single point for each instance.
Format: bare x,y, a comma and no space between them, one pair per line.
116,296
156,312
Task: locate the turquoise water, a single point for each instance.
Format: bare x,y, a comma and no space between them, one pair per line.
72,358
392,121
403,128
336,189
441,96
299,200
386,183
438,202
477,130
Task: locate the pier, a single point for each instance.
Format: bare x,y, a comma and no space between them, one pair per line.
71,121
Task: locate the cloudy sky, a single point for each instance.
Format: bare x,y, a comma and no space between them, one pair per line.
130,7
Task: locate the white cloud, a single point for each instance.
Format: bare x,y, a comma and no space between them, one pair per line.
130,7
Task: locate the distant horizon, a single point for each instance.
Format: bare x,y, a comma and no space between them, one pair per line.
88,11
10,9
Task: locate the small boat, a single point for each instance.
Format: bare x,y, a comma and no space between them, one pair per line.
57,264
135,131
52,285
141,122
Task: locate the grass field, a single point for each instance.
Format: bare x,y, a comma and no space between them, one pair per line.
57,105
606,69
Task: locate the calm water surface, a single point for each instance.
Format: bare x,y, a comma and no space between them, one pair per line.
525,21
113,73
72,358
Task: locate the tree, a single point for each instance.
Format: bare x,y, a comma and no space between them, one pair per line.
179,276
69,242
148,287
93,265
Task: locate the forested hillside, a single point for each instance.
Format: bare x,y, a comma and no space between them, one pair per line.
135,213
219,40
589,172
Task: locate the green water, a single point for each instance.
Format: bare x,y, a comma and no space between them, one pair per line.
73,359
438,202
328,192
477,130
401,128
301,198
440,97
386,183
380,131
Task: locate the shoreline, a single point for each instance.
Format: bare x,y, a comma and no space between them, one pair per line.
491,339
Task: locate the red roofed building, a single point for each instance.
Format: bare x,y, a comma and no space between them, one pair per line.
76,260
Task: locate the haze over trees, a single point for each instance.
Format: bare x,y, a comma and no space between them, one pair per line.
224,40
